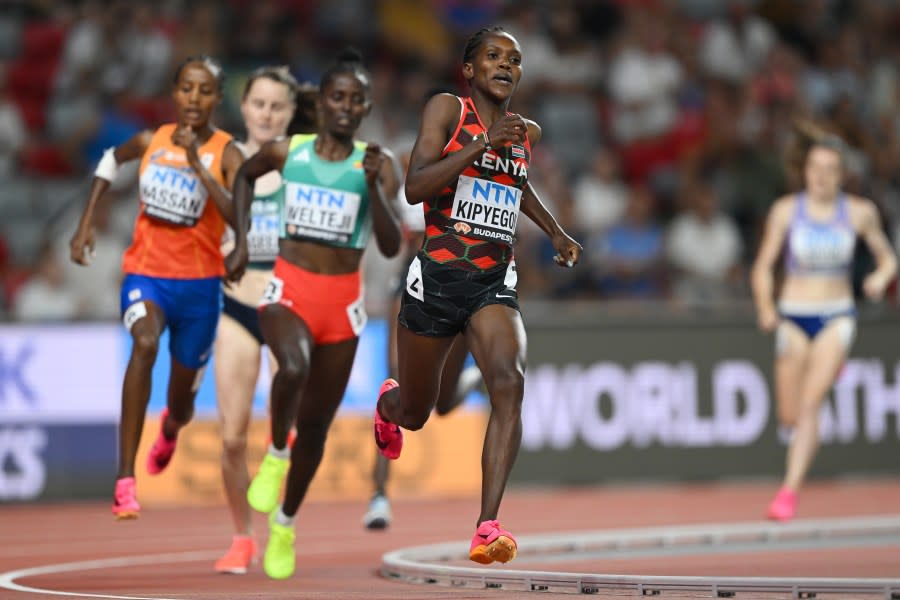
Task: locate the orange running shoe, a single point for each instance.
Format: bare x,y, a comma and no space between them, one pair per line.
242,554
125,505
162,450
491,543
388,436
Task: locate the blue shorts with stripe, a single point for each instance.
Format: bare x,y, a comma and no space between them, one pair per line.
191,308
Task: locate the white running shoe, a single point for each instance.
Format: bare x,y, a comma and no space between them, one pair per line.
469,381
379,513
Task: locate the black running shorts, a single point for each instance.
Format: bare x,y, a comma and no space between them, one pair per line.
438,301
247,316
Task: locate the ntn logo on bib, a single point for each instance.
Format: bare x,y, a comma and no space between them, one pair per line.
265,227
314,208
173,194
489,208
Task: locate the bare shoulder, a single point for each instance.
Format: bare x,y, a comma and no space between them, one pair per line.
783,207
140,140
862,210
860,204
241,147
145,137
135,146
443,106
235,149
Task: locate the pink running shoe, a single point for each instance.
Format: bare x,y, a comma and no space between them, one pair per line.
125,505
491,543
783,505
388,436
162,450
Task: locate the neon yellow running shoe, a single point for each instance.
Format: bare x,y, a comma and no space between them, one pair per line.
263,492
280,559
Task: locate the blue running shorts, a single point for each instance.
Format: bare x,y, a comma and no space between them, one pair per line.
191,308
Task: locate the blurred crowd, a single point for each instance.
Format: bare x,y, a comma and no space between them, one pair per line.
666,122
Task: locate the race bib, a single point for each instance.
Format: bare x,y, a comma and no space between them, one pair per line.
486,210
320,213
822,248
356,314
414,282
273,292
172,194
262,239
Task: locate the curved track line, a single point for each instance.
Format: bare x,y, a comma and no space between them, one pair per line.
8,579
422,564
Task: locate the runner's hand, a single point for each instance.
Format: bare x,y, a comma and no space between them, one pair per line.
767,319
236,263
372,162
184,137
81,247
568,250
508,129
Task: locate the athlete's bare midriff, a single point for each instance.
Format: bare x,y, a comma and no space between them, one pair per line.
320,258
815,288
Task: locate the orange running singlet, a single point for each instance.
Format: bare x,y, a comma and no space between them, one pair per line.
179,229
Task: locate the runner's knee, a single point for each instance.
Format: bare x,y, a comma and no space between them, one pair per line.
444,407
234,445
183,413
292,370
146,346
414,419
787,417
808,409
507,388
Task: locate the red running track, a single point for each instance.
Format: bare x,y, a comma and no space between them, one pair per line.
338,559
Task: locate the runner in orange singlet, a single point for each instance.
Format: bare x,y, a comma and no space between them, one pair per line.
174,265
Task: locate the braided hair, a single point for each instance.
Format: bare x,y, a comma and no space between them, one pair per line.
477,38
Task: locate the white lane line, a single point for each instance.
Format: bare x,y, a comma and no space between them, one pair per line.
663,539
867,541
8,579
428,564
